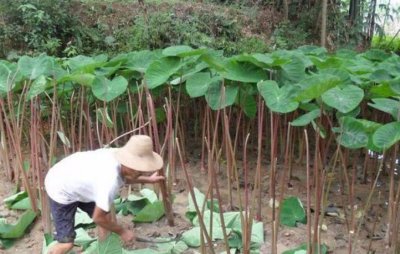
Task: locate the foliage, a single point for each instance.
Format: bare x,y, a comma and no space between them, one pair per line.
292,211
289,36
388,43
44,26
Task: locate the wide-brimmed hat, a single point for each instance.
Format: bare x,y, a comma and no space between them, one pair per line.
138,154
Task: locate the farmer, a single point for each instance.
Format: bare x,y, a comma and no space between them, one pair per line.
91,180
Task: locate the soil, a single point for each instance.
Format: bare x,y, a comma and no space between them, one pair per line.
334,232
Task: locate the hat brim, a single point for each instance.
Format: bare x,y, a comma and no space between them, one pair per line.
149,163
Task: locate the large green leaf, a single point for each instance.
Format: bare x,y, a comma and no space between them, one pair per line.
343,99
277,99
33,67
247,101
244,72
177,50
161,70
9,201
82,218
197,84
38,87
214,96
111,245
387,105
305,119
173,247
294,70
353,134
86,64
316,85
84,79
387,135
151,212
139,61
292,211
6,79
107,90
83,239
23,204
149,194
17,230
200,199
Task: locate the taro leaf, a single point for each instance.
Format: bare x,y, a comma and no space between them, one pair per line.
188,72
320,128
149,194
353,134
214,95
380,75
213,61
235,240
344,100
277,99
382,90
197,84
389,106
6,243
192,236
305,119
82,218
260,60
151,212
375,55
139,61
302,249
200,199
111,245
15,198
257,233
292,211
107,90
134,207
17,230
294,70
86,64
38,86
387,135
33,67
247,101
6,79
244,72
84,79
83,239
395,85
315,86
64,139
177,50
173,247
161,70
23,204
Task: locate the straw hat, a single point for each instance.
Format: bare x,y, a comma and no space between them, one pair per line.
138,154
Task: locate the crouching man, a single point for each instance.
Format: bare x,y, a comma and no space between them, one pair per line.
91,180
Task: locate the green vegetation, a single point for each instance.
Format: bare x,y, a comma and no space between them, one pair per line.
389,43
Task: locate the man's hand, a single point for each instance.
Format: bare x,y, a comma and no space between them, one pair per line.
127,237
154,178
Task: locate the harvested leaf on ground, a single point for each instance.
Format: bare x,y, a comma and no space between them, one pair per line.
292,211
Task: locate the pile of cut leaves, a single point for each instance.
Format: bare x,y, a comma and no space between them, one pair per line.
10,232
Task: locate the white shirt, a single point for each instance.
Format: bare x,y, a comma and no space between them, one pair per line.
92,176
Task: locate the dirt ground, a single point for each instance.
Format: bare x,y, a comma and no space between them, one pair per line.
334,234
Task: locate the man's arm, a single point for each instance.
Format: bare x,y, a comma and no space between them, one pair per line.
104,220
